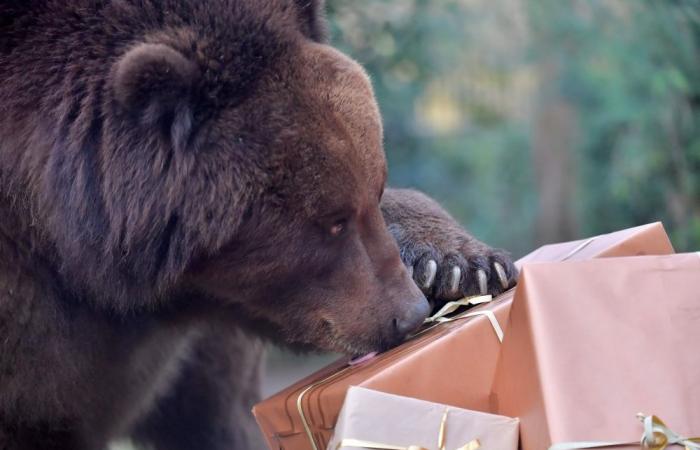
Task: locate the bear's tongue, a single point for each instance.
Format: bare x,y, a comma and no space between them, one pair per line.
361,359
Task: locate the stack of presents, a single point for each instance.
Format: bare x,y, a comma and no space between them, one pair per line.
598,346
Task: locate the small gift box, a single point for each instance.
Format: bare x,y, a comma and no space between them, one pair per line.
452,363
592,343
376,420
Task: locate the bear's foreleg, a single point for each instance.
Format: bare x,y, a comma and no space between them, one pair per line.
444,259
209,406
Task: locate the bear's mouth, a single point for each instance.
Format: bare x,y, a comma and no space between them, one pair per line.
359,359
357,349
352,349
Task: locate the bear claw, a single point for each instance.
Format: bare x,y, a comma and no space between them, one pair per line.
483,281
500,271
430,272
454,281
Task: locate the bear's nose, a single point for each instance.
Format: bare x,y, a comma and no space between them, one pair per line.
412,317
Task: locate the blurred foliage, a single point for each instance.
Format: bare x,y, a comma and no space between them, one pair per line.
461,84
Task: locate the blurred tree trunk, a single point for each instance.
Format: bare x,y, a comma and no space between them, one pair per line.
553,137
683,203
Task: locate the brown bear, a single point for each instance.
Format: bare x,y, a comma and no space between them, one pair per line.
177,179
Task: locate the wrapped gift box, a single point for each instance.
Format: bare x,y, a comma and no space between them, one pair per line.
592,343
418,368
650,239
371,417
303,415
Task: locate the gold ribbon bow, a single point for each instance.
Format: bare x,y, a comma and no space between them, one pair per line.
450,307
471,445
657,436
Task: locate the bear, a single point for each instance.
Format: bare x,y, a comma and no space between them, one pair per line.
181,181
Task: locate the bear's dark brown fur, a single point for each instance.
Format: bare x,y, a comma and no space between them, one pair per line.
178,177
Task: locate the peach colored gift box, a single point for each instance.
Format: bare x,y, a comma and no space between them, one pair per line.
303,416
406,422
592,343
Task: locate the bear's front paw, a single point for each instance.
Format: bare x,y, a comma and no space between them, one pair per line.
455,265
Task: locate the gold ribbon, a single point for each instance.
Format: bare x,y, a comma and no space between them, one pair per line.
657,436
471,445
450,307
300,408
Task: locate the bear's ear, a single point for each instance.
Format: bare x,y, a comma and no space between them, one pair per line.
312,14
155,82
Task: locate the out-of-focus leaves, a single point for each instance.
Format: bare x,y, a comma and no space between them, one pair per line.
459,81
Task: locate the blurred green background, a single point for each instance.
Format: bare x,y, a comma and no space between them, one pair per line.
538,121
533,121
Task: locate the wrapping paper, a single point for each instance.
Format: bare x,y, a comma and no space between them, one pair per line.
592,343
650,239
378,417
303,416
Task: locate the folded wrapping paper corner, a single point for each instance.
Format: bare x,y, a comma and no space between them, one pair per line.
657,436
649,239
380,421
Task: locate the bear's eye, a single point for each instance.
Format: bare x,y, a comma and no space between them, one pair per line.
338,228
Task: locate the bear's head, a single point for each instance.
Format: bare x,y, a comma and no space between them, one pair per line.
230,155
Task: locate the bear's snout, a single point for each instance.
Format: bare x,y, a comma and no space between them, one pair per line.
407,308
404,307
411,308
412,318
